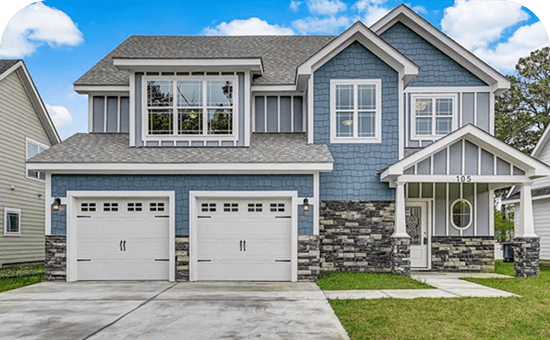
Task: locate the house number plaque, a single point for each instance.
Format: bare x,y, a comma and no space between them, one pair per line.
464,179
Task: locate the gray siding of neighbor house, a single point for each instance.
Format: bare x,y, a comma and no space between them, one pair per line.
356,166
18,120
194,141
117,117
287,118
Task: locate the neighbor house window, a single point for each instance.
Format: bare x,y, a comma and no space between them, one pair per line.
190,107
433,116
461,214
12,222
356,110
33,149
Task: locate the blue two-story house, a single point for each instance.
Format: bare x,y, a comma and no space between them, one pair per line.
273,158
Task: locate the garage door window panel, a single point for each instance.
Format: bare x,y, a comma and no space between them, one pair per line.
231,207
156,207
277,207
135,207
255,207
208,207
110,207
87,207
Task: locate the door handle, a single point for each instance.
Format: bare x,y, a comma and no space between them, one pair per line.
425,240
124,245
244,245
241,245
120,245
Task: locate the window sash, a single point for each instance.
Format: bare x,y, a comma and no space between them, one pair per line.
12,222
355,113
203,109
442,122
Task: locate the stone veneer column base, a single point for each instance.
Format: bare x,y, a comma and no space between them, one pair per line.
463,253
55,260
400,257
526,256
308,257
182,258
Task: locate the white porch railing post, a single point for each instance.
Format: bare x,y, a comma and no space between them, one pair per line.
400,224
526,222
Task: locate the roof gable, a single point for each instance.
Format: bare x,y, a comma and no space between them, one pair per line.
444,43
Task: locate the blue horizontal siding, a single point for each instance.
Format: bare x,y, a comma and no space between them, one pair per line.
181,184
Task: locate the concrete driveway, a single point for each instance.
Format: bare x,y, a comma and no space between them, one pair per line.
164,310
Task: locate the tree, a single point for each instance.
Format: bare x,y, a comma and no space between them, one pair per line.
523,112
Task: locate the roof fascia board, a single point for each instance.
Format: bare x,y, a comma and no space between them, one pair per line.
11,69
93,89
273,88
444,43
482,139
541,144
37,103
359,32
254,64
179,167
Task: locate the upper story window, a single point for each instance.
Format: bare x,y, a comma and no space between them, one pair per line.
190,107
433,115
33,149
356,110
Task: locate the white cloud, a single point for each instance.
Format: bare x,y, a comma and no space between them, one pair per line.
60,115
505,55
36,25
295,5
372,10
363,5
321,25
419,9
476,24
251,26
325,7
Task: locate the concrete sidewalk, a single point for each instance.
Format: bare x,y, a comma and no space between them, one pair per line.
447,285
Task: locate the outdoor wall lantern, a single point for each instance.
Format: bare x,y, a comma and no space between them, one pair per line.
305,206
56,204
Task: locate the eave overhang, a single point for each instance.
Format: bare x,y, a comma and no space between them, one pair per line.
254,65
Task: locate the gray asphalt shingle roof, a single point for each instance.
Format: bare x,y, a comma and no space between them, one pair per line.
280,55
115,148
5,64
534,193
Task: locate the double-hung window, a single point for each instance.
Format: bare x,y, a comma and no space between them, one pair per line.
12,222
190,107
433,116
33,149
356,110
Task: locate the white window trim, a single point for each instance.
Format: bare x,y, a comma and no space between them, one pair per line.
16,211
32,141
378,112
190,137
432,96
471,214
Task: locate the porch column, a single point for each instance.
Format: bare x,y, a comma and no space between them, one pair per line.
400,240
527,247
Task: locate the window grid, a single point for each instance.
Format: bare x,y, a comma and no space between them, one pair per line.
88,207
135,207
33,149
231,207
277,207
110,207
156,207
208,207
433,116
255,207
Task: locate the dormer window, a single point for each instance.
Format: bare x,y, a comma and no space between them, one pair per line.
189,106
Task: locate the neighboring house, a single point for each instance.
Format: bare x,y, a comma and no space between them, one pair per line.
276,157
25,130
540,194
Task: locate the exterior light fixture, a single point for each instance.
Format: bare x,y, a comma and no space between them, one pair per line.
305,206
193,115
56,204
347,122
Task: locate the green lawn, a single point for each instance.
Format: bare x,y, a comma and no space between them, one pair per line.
13,278
347,281
458,318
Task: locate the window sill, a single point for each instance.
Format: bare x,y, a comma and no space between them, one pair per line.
335,140
12,234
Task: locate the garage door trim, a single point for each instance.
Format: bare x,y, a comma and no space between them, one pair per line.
72,211
193,222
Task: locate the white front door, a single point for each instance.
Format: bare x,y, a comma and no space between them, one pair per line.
417,228
122,239
244,239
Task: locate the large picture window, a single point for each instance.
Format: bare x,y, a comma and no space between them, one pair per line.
356,113
433,116
190,107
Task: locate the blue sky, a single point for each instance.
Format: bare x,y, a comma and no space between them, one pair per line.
61,39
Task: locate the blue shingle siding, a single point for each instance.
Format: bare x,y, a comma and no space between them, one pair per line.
181,184
356,166
305,221
436,68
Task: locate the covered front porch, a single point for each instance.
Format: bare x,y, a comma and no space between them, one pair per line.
444,214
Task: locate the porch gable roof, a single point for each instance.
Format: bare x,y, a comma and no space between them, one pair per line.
520,166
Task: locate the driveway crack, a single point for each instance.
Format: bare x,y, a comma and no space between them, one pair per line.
129,312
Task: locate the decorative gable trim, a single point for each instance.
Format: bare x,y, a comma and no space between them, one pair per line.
371,41
444,43
35,99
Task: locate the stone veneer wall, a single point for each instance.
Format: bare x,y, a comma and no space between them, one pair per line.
526,256
182,258
55,261
356,235
462,254
308,257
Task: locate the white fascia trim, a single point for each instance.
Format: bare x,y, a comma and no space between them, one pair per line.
72,274
254,64
193,223
11,69
541,144
273,88
447,89
181,168
47,205
516,201
455,51
454,179
532,166
359,32
94,90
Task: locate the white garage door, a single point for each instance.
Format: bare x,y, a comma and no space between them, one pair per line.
541,216
244,239
122,239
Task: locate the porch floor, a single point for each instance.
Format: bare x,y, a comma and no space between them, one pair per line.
448,285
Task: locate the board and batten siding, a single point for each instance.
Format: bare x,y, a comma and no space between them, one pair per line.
110,114
283,113
541,216
19,120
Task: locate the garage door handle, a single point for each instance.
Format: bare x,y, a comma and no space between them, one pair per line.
244,245
162,260
241,245
124,244
283,216
120,245
83,260
204,260
282,260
